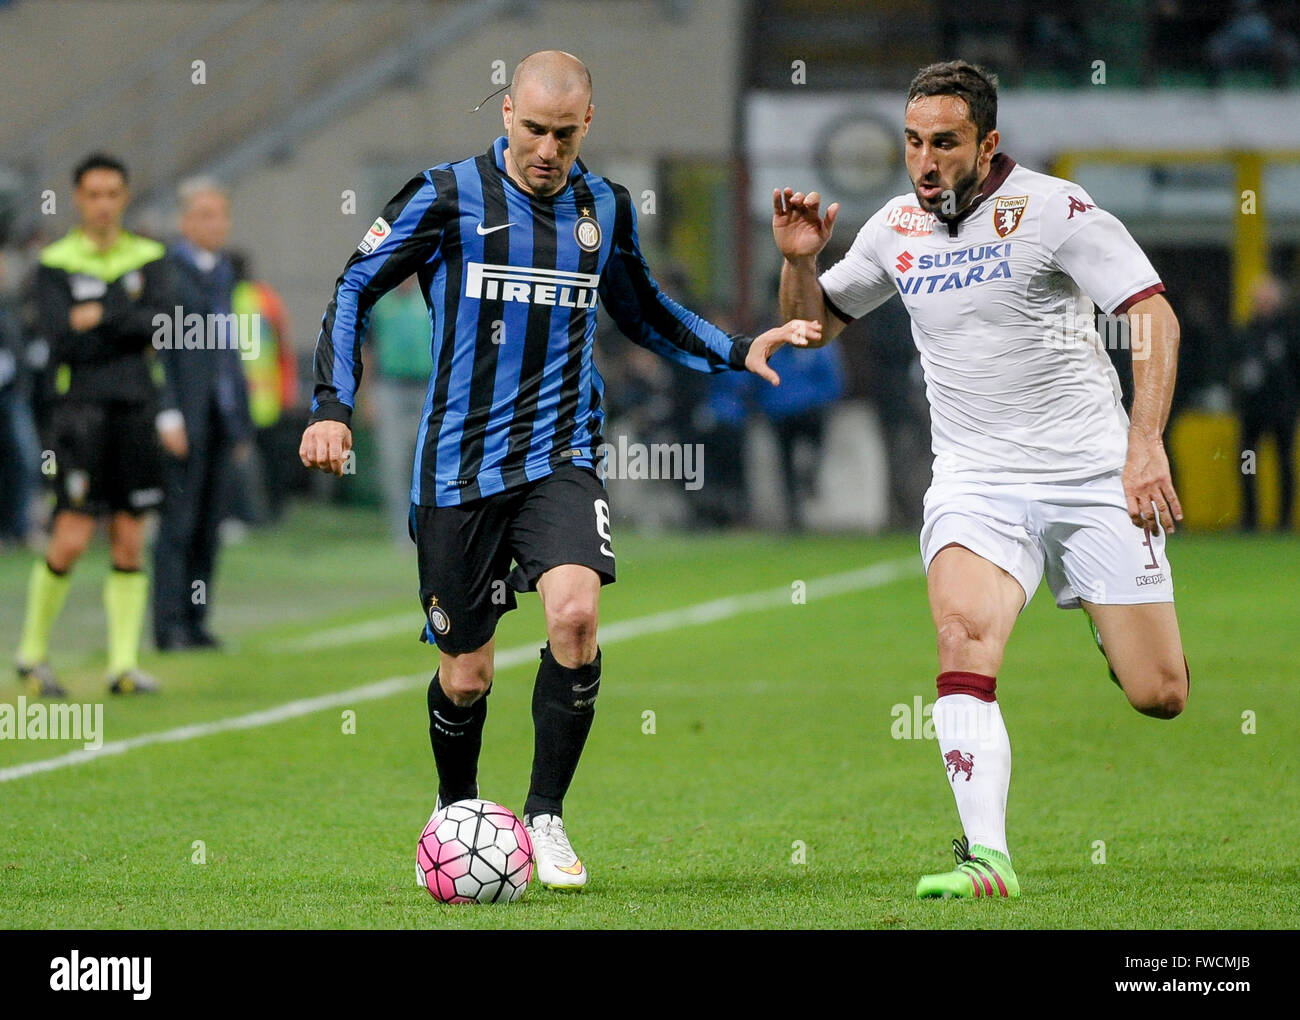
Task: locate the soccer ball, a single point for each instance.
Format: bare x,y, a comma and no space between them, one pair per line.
474,851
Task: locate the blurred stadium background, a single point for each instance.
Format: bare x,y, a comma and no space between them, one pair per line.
1177,115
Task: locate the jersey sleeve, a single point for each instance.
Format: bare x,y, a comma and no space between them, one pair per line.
403,238
1095,250
649,317
53,303
858,282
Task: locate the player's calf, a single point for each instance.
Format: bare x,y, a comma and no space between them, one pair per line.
1158,689
69,539
457,710
1143,646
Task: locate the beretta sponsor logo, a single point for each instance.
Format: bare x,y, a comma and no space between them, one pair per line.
910,220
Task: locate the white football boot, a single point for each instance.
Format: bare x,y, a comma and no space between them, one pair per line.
558,866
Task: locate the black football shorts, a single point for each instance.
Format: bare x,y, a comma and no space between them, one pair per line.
465,552
106,457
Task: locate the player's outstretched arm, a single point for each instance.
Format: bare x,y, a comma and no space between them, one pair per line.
325,446
1147,479
799,332
801,232
647,316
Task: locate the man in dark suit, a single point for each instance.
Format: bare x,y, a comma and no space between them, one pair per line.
1266,374
205,420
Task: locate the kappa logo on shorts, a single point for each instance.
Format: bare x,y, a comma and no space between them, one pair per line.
438,618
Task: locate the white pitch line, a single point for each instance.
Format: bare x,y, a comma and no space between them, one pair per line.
624,630
351,634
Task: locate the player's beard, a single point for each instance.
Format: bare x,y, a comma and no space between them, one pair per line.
963,190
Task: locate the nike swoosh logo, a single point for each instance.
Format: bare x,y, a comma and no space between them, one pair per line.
572,869
481,230
583,690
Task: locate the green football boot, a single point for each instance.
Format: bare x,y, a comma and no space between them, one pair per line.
979,872
1096,636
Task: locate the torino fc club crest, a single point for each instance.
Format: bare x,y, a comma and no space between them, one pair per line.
587,232
959,762
438,618
1008,212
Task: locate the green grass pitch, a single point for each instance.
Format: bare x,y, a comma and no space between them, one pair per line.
769,794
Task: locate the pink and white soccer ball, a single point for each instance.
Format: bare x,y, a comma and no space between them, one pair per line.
474,851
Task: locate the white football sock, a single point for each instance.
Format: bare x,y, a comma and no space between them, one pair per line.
977,755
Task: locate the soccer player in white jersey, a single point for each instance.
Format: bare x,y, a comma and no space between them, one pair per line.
1037,468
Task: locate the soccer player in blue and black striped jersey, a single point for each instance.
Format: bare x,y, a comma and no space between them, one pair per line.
514,251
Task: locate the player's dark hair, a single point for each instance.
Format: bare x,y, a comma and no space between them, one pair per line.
99,161
966,81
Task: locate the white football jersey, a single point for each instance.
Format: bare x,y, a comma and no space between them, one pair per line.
1018,380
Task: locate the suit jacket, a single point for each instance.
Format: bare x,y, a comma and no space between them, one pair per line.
204,376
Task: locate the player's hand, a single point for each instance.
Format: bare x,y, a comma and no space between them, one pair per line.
86,315
799,332
325,445
1147,482
797,224
175,441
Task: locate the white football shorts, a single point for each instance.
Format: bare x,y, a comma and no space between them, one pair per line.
1077,533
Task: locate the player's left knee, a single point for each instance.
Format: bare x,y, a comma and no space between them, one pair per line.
571,628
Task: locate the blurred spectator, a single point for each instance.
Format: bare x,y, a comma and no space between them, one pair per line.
642,400
400,334
811,381
1266,377
263,481
1055,38
1251,42
205,421
895,385
15,452
1177,33
35,393
719,421
1202,375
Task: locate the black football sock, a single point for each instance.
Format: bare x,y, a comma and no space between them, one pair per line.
564,704
456,734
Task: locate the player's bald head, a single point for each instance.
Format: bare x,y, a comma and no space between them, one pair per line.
555,72
546,116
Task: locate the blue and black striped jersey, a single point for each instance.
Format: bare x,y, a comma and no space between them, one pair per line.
512,282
